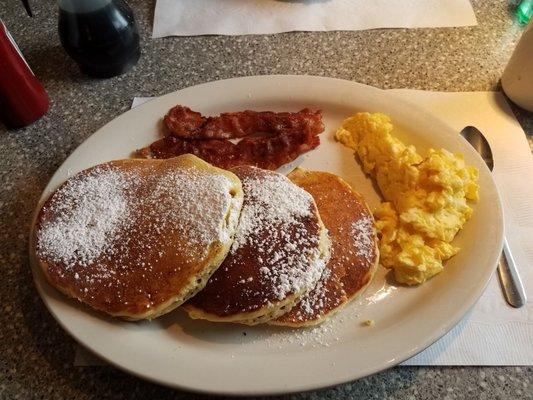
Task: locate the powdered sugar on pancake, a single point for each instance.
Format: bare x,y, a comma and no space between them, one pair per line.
90,212
94,213
272,223
191,201
315,302
353,250
313,305
362,233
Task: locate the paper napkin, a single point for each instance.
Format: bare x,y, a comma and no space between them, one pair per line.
243,17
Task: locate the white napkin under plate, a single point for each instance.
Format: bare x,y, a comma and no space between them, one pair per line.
493,333
244,17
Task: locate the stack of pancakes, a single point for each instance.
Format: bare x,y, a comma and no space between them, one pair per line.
138,238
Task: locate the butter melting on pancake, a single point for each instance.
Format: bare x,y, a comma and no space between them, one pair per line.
279,253
136,238
354,252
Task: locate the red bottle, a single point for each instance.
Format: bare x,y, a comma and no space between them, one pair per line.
23,99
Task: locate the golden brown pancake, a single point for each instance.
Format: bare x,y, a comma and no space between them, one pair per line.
278,255
354,251
136,238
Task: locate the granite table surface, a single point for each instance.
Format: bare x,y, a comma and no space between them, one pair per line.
36,355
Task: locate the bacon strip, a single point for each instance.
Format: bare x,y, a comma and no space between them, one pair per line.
262,152
285,136
182,122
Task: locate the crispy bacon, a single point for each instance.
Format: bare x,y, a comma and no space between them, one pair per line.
185,123
262,152
284,136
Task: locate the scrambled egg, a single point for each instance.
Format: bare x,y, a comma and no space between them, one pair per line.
427,198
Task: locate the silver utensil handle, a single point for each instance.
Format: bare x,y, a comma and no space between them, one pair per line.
510,280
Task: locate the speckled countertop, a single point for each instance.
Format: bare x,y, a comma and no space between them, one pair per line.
35,354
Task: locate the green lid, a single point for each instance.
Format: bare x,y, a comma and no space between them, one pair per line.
524,11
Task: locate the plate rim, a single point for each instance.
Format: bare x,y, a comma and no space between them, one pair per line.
444,326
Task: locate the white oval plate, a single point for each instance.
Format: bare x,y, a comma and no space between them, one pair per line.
238,360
